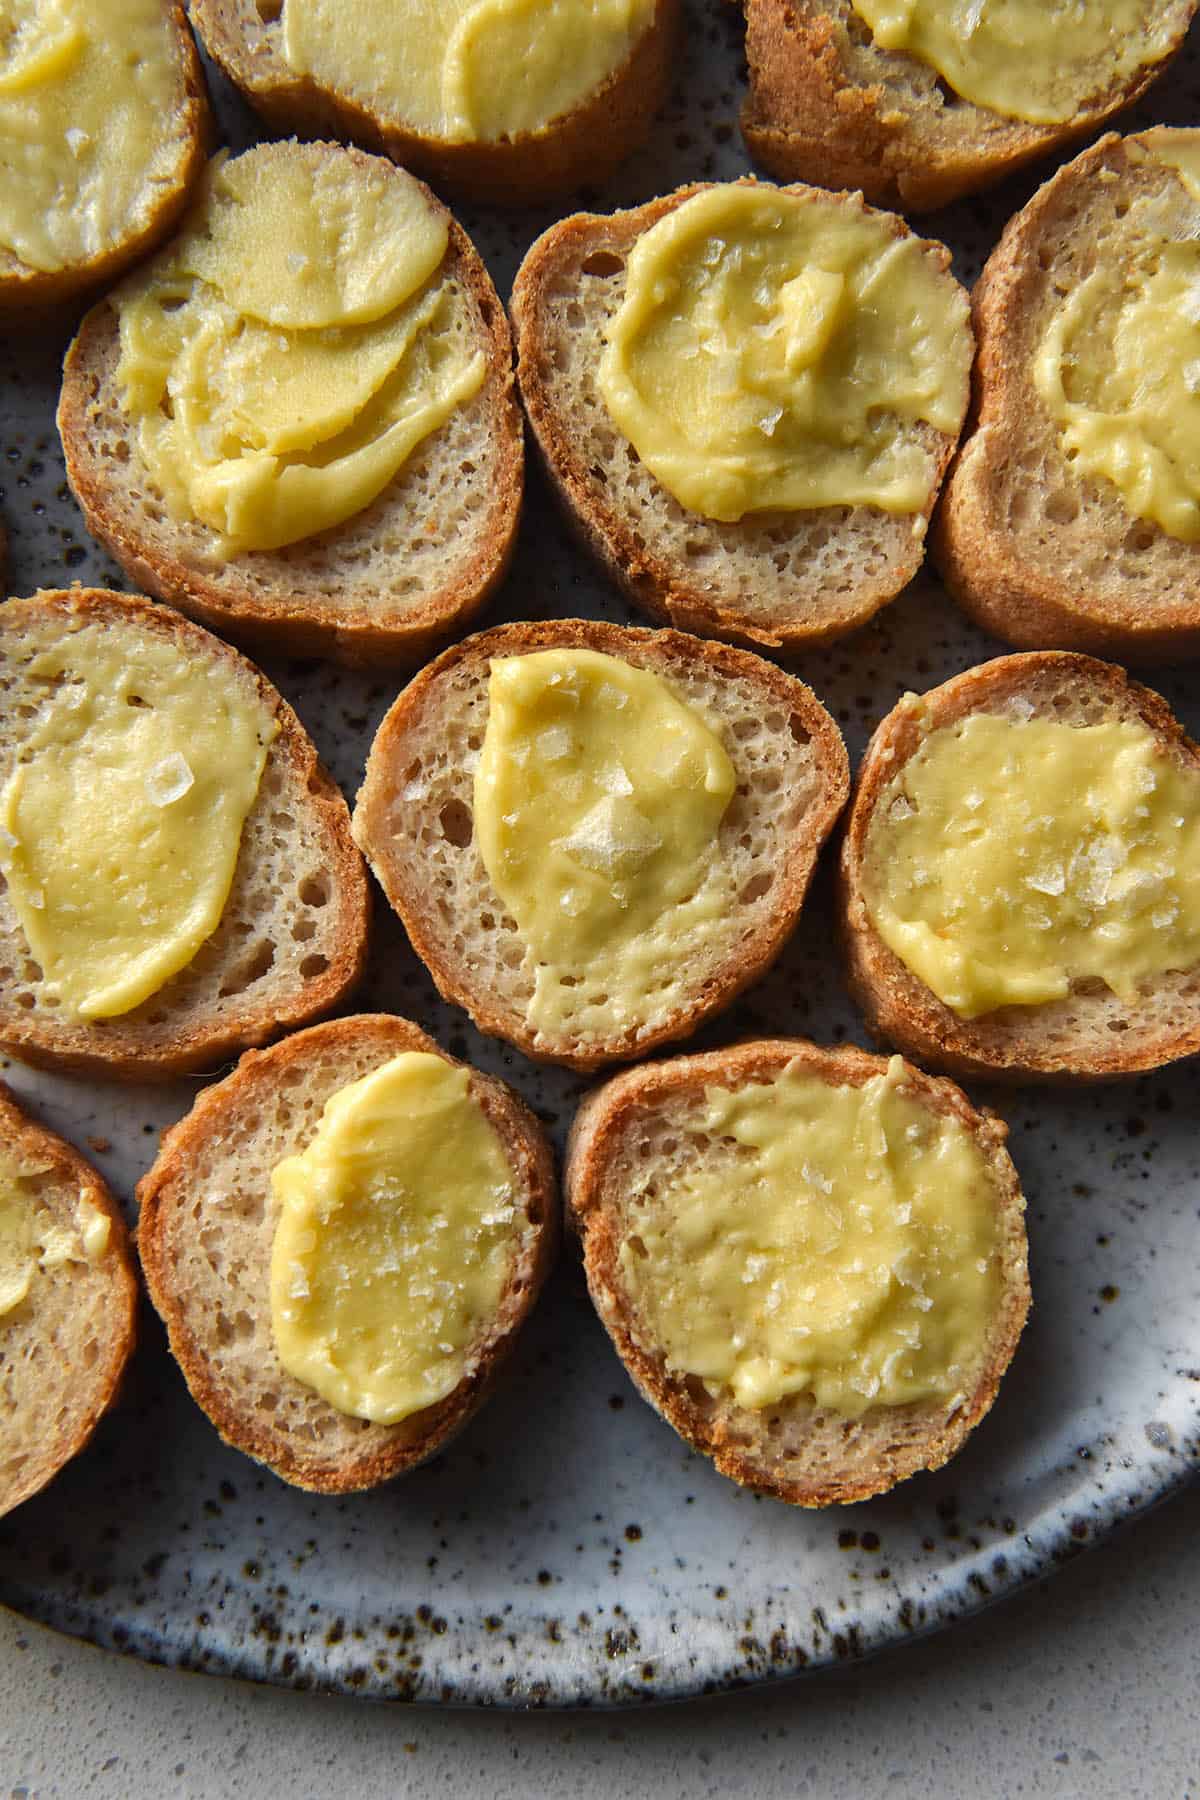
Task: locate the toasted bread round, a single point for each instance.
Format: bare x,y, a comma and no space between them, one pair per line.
643,1128
381,589
585,144
1037,552
64,1346
827,104
413,819
782,580
292,938
1092,1034
207,1225
27,294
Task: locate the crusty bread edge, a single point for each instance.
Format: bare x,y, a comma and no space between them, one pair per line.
610,1109
355,640
583,145
123,1062
846,137
69,1167
524,1141
899,1009
652,582
36,297
611,640
1014,596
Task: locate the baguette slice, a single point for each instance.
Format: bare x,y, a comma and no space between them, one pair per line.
826,104
413,820
1091,1035
783,580
64,1347
1034,551
206,1229
643,1128
380,589
585,144
28,294
292,939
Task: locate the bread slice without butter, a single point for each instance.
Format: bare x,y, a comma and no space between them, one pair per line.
583,144
172,169
830,105
1035,549
205,1237
292,936
384,587
784,580
641,1151
1090,1032
69,1302
414,820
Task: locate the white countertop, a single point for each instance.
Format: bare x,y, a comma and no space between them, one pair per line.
1083,1685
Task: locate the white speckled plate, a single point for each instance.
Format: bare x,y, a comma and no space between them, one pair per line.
568,1549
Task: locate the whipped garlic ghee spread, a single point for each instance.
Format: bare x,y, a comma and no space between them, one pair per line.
32,1241
396,1239
838,1242
1037,60
120,827
88,90
284,357
470,71
1010,857
779,351
598,800
1118,367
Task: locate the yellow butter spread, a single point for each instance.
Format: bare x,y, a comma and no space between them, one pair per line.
32,1240
779,351
1038,60
837,1242
1118,366
121,825
1013,856
598,799
466,70
396,1239
88,90
284,358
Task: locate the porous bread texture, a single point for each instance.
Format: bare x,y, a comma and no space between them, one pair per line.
784,580
27,294
585,144
1034,549
826,104
1092,1034
643,1129
380,589
63,1349
207,1225
292,938
414,822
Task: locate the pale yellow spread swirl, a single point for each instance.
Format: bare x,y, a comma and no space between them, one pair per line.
32,1241
471,71
395,1242
121,826
285,357
1011,857
774,351
598,799
1118,366
834,1242
89,96
1042,61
